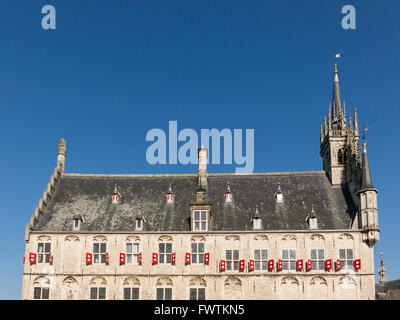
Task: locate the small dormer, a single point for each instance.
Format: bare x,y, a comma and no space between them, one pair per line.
228,194
256,220
139,222
116,195
312,219
170,195
278,194
77,221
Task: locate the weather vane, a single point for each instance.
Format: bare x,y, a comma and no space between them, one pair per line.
365,129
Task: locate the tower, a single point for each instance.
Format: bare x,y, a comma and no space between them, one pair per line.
382,271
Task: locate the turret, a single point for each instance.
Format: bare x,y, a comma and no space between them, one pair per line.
62,148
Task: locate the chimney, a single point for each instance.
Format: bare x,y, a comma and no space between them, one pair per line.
203,156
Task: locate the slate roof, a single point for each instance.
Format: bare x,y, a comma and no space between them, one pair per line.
145,195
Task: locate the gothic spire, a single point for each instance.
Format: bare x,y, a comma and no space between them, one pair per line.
382,271
366,182
337,110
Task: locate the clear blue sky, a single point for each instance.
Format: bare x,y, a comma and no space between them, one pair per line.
112,70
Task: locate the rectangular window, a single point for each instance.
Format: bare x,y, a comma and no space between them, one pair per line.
43,253
164,293
131,293
232,260
132,252
99,252
261,259
318,259
197,294
40,293
346,259
198,252
289,259
97,293
200,220
165,252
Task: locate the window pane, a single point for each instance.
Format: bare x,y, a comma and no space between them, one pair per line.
40,247
204,215
47,247
136,248
36,293
93,293
235,254
168,293
228,265
194,247
314,265
194,258
321,265
292,254
197,215
102,293
169,258
292,265
201,294
40,258
103,247
47,260
264,254
201,258
162,258
265,265
103,258
257,254
45,293
127,293
228,254
129,248
285,265
160,293
257,265
197,226
161,247
320,254
236,265
285,254
203,226
201,247
135,293
193,294
342,254
349,253
313,254
96,258
95,247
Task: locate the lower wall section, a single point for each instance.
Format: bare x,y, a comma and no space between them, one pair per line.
214,287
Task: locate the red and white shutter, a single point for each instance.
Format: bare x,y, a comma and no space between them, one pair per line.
222,265
140,258
357,264
251,265
309,265
154,258
115,198
122,258
241,265
328,264
89,257
299,265
170,197
50,258
173,258
228,197
32,258
280,265
338,265
107,258
187,258
271,264
207,258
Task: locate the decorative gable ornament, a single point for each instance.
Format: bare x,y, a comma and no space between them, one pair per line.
311,219
278,194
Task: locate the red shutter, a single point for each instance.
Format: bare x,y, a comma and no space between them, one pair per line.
271,264
280,265
88,258
140,258
107,258
32,258
187,258
122,258
338,265
241,265
309,265
357,264
24,260
207,258
173,257
155,258
328,264
222,265
299,265
50,258
251,265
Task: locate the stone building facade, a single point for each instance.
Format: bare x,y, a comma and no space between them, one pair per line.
300,235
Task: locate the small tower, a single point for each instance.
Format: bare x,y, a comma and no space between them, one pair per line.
312,219
256,220
368,207
62,148
382,271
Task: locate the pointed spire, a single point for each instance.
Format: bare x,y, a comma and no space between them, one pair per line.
325,127
382,271
355,121
62,149
337,110
366,182
321,135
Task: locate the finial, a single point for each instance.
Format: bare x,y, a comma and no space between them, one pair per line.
62,146
365,129
170,189
229,188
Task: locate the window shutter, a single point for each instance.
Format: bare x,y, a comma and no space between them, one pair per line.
271,264
32,258
155,258
122,258
309,265
173,258
299,265
88,258
50,258
357,264
241,265
107,258
251,265
207,258
280,265
222,265
187,258
328,264
338,265
140,258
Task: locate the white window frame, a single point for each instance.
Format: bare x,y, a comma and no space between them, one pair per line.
165,256
232,264
196,293
164,289
261,260
317,260
97,293
43,252
42,291
138,224
197,250
346,262
132,252
99,256
201,221
289,263
131,293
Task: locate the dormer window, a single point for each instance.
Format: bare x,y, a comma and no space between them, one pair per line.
228,195
257,222
278,194
138,224
116,195
77,222
170,195
200,220
312,219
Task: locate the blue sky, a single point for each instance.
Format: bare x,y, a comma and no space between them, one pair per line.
112,70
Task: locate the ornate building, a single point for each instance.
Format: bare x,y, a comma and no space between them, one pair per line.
300,235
